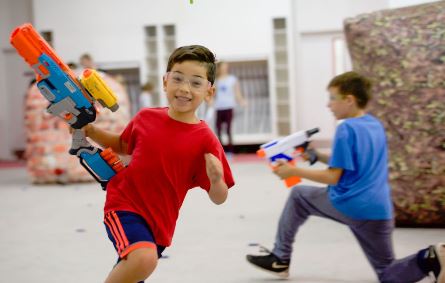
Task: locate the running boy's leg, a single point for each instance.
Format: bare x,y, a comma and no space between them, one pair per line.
138,266
135,244
375,238
302,202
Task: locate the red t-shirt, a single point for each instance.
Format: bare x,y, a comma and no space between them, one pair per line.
167,161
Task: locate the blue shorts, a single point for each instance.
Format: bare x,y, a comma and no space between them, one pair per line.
128,231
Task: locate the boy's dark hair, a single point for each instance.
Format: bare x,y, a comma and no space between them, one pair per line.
354,84
194,53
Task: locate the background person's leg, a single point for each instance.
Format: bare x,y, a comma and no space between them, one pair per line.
219,121
228,119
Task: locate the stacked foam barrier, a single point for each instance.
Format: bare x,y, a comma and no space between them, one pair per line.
48,137
403,52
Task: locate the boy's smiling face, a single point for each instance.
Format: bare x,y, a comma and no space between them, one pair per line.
186,86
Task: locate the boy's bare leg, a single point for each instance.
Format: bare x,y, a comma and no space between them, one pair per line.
139,264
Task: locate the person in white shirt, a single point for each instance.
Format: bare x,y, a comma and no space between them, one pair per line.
228,95
145,98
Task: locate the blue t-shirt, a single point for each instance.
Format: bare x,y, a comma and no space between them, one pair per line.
363,191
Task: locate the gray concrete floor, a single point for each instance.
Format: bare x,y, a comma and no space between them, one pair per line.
55,234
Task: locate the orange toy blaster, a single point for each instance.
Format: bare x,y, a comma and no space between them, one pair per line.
288,148
70,99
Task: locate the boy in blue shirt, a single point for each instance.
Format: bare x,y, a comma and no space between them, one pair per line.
358,193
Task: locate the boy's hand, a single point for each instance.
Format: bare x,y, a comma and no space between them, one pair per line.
310,155
213,168
86,129
306,155
284,169
218,188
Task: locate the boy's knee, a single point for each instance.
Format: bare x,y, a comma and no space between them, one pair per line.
295,193
144,261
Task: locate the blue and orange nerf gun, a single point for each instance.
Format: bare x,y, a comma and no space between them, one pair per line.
70,98
288,148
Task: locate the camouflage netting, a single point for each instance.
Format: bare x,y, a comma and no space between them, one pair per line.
48,137
403,52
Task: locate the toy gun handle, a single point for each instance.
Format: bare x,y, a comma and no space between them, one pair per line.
291,181
103,183
313,157
79,141
101,164
312,154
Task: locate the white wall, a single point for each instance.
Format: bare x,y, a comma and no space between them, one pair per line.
4,143
116,33
322,15
404,3
315,25
13,82
312,95
113,32
234,30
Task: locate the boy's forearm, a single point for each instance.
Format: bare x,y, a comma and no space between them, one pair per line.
218,192
106,139
323,157
328,176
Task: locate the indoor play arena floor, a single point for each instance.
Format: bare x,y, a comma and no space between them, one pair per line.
54,233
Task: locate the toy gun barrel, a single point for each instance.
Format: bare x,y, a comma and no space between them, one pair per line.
286,144
30,46
313,131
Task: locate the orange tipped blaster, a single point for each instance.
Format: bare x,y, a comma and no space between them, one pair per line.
30,45
70,99
287,149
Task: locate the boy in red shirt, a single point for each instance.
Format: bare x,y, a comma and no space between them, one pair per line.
172,151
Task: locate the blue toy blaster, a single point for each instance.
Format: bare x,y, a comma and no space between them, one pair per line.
101,164
70,99
66,98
